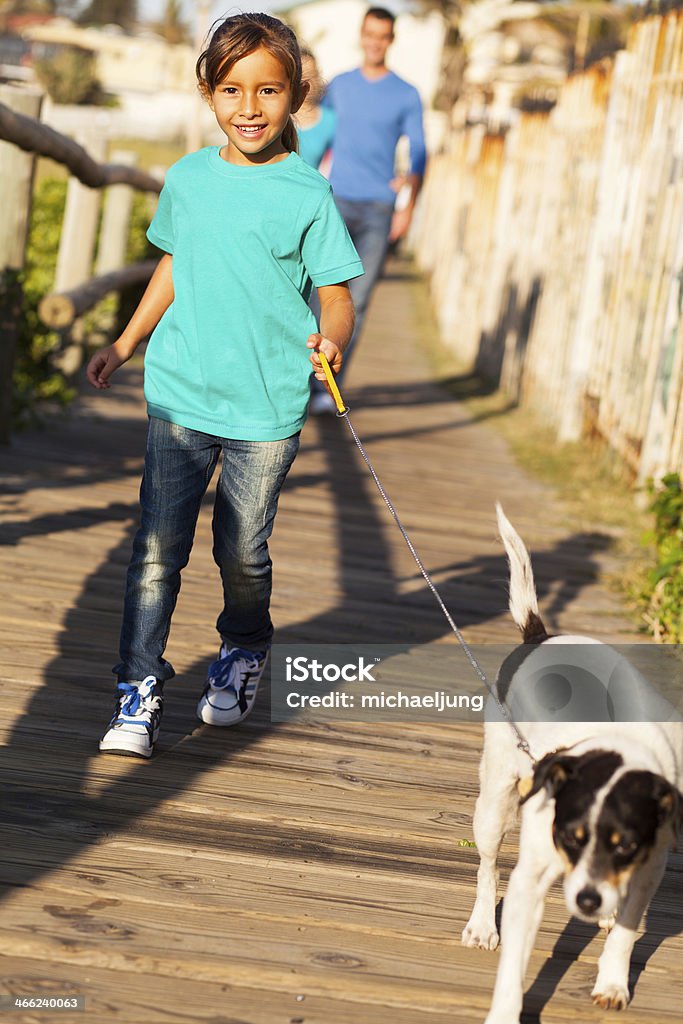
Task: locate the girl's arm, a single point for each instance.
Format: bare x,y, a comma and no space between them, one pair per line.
337,318
153,304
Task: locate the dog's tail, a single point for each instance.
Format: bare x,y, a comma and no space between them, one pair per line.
523,603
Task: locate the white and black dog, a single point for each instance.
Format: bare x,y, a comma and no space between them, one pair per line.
602,805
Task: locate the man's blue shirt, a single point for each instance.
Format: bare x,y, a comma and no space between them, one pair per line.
372,115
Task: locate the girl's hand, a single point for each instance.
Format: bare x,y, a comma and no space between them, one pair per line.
103,364
319,342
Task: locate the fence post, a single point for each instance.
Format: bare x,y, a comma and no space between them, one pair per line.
16,174
79,228
77,248
111,251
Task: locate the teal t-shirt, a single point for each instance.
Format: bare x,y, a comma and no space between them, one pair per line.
229,355
315,141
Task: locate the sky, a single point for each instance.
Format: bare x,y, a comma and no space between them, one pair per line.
154,8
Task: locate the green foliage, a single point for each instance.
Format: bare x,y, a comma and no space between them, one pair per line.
138,248
35,379
70,76
661,592
110,12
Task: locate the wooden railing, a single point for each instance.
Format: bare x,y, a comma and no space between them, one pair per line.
83,277
555,252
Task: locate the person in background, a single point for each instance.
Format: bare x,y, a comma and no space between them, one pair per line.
315,123
374,108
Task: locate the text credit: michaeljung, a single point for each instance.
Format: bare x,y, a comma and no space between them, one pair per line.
382,681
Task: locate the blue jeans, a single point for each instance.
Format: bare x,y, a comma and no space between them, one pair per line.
179,464
368,224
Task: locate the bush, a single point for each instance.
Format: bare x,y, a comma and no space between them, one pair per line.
69,76
35,379
661,595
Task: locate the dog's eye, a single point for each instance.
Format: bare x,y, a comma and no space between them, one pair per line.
622,846
624,849
574,837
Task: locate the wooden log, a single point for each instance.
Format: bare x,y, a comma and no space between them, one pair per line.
16,174
30,135
59,310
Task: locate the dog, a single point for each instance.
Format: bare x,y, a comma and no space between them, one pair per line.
601,802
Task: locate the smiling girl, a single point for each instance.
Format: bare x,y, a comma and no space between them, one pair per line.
248,229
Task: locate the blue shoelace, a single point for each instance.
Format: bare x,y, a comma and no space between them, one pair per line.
133,701
220,671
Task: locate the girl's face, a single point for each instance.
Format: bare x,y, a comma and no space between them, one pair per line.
252,105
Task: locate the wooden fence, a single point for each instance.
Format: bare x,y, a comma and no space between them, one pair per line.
75,289
555,252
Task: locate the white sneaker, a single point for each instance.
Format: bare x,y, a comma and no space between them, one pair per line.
134,729
321,404
230,691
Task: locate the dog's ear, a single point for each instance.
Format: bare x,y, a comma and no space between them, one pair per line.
551,773
669,807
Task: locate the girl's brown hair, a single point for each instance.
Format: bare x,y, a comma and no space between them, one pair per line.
238,36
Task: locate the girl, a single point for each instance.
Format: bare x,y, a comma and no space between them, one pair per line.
247,228
315,123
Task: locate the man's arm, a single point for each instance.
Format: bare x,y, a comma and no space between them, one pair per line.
157,298
412,127
328,96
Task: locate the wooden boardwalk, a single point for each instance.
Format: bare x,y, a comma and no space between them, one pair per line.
278,873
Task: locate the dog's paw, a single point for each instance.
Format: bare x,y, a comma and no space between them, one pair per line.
608,923
610,997
476,937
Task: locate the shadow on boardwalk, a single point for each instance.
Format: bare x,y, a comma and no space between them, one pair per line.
50,818
44,783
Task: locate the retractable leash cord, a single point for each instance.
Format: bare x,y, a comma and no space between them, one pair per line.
343,412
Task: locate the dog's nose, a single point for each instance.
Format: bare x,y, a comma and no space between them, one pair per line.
589,900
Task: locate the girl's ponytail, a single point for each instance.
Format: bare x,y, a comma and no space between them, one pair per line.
290,137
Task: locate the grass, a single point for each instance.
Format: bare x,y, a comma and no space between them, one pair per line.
150,153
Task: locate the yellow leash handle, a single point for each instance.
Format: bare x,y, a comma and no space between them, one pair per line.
336,393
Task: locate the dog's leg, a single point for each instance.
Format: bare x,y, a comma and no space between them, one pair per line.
494,814
538,867
611,987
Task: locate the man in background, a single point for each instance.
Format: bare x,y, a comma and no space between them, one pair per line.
374,108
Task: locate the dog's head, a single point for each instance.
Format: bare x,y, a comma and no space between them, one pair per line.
608,820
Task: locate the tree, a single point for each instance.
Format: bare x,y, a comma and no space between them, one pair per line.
172,28
65,8
110,12
70,76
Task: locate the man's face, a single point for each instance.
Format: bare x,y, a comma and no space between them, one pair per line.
376,36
